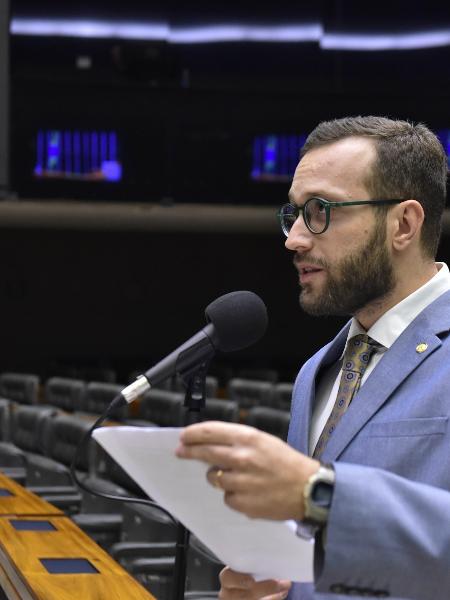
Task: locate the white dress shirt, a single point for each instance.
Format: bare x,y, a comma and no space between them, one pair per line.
384,331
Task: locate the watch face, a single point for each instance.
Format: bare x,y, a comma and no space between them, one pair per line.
322,494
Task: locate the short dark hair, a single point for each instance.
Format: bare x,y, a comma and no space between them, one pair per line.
410,163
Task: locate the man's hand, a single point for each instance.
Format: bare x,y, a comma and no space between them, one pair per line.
236,586
261,476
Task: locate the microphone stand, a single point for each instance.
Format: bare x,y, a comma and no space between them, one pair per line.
194,401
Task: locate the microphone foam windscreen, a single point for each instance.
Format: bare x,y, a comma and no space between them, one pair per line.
239,319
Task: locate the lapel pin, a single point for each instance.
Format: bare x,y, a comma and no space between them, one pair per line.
421,348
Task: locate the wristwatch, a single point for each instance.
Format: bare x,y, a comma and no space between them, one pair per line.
317,496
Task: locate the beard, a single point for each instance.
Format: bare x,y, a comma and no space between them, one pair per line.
364,277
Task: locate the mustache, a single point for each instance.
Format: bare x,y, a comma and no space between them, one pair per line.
311,260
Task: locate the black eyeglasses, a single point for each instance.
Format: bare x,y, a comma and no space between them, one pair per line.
316,213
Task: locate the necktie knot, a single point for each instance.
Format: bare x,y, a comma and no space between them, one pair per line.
357,354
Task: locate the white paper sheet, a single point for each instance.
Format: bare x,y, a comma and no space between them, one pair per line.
266,549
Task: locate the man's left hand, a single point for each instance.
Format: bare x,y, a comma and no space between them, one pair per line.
260,475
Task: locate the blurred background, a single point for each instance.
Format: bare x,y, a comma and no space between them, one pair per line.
146,146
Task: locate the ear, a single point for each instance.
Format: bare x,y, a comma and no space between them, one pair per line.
407,220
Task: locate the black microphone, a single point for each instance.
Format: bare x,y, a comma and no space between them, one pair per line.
234,321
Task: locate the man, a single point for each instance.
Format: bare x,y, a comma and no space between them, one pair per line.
387,536
363,222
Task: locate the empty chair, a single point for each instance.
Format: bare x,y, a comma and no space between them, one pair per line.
146,532
202,570
283,396
102,518
99,396
249,392
162,408
99,517
107,468
49,475
156,572
20,387
217,409
5,418
270,420
65,393
28,432
142,525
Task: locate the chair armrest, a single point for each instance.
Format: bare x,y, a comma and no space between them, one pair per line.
98,522
53,490
150,566
66,502
125,550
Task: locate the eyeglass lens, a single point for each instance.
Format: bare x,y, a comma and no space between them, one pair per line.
314,213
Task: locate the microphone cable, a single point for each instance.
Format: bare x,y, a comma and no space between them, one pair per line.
117,402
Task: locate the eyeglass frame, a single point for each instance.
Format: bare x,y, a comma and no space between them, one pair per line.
327,205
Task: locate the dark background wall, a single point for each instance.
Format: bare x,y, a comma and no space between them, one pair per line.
187,116
121,299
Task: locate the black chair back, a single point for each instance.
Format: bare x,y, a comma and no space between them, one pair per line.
163,408
67,394
270,420
20,387
249,392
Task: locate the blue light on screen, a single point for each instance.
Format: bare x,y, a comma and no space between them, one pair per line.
80,155
275,157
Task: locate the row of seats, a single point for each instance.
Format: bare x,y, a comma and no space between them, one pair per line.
39,436
76,394
39,448
261,404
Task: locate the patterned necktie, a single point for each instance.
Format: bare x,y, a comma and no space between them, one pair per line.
356,358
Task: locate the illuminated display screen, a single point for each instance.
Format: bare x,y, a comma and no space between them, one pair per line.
275,157
79,155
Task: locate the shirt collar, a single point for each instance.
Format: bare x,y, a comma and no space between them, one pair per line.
394,321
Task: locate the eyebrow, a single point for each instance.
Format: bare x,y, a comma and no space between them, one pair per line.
308,196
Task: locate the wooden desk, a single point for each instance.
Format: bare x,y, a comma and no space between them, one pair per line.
23,575
22,502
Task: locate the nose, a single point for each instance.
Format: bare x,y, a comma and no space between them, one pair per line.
299,238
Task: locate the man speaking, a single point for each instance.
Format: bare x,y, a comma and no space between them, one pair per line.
363,223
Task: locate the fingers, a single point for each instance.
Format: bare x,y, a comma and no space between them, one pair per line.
236,586
233,579
228,480
214,454
215,432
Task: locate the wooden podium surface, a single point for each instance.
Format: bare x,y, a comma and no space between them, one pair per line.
16,500
47,557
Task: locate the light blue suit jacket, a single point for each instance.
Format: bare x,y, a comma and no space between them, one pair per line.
398,536
398,421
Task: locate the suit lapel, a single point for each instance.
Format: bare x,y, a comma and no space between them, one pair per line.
399,361
304,395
